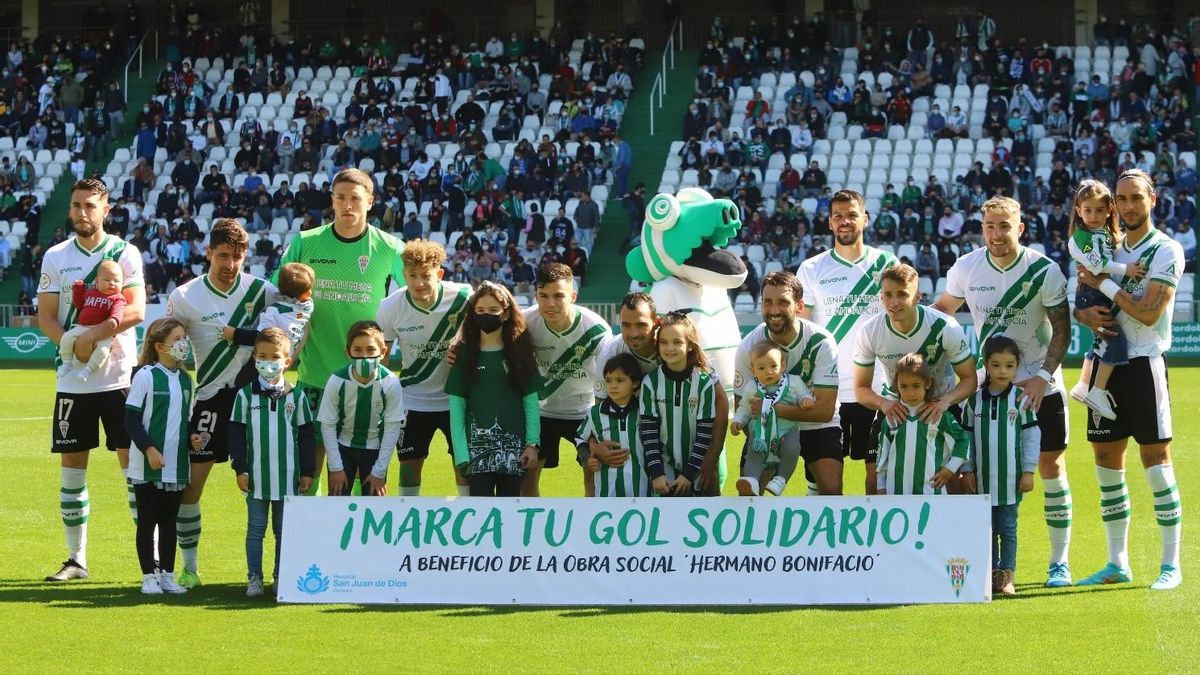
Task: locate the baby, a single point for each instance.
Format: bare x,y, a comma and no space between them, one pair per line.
93,306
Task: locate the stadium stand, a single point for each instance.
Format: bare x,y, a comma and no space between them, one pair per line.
927,137
495,153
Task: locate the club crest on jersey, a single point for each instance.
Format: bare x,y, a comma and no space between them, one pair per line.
806,365
363,261
1012,416
957,570
289,408
579,352
249,307
693,403
875,277
1025,287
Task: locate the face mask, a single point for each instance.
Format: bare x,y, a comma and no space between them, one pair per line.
489,323
365,366
180,350
268,369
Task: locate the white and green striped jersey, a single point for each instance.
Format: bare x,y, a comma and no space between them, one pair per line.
1006,442
840,295
608,422
68,261
567,361
679,405
362,416
422,337
812,355
205,312
1163,258
614,345
1012,300
935,335
272,438
1094,250
163,398
912,452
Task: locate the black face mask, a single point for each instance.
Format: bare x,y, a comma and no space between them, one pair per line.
489,323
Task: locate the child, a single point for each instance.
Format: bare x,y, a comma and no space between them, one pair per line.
361,415
772,435
1094,235
157,411
272,447
291,310
93,306
917,458
615,418
493,388
1007,445
678,403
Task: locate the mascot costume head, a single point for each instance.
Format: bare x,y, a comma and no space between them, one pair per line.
681,253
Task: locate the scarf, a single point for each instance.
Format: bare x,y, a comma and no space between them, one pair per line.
767,438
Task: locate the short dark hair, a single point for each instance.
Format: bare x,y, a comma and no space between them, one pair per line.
633,300
92,185
850,196
626,363
275,336
229,231
788,281
552,272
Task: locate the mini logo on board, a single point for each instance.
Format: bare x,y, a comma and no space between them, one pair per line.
313,583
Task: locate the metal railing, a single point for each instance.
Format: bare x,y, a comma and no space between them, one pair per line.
139,52
674,44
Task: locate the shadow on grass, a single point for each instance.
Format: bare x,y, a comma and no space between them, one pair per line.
233,597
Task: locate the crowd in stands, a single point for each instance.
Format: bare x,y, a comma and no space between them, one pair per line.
780,119
496,151
429,121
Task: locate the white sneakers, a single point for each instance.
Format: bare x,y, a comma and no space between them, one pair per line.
1102,402
748,487
159,583
254,588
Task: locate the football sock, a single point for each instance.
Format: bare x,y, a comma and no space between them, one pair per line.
187,533
1167,509
73,504
1114,510
1057,509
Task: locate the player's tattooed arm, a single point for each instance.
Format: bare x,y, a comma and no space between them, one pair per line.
1060,336
1149,307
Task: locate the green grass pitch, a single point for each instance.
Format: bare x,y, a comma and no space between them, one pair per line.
105,624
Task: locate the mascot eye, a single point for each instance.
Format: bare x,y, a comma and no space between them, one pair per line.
725,215
662,212
733,213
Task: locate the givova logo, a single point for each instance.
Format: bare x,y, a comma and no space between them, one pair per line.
313,583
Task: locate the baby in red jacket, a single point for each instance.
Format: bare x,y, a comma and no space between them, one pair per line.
93,306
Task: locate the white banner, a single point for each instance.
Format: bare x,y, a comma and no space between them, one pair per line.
719,551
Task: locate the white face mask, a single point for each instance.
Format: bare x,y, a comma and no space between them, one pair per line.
269,370
180,350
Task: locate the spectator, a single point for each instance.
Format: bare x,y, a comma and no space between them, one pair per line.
813,181
576,258
750,286
926,263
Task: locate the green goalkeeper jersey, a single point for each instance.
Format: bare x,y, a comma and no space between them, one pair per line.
352,279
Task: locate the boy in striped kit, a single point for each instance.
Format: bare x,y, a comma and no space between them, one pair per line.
271,447
916,457
156,416
1007,443
615,418
773,440
678,407
361,415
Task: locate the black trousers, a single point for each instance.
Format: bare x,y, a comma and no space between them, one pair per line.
156,509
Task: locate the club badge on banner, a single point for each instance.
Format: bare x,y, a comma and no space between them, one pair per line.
725,551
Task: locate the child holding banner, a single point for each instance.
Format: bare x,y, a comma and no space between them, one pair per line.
773,440
615,419
916,458
1007,443
678,403
361,415
272,447
493,388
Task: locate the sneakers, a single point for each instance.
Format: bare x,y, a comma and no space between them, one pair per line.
1079,391
168,584
776,485
1002,583
70,570
1111,574
254,588
1169,576
1102,402
747,487
151,585
189,579
1058,576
